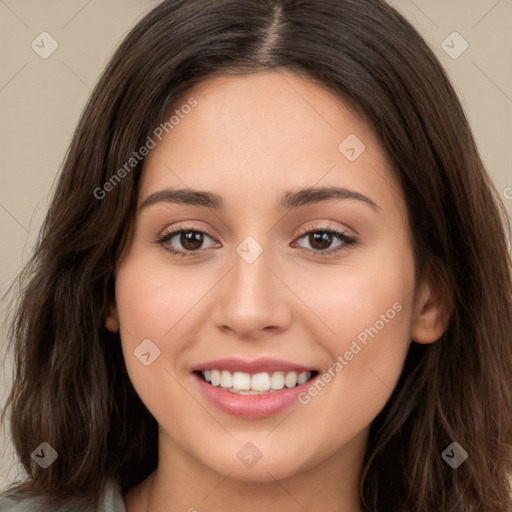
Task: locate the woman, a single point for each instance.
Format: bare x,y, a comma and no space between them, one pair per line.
274,275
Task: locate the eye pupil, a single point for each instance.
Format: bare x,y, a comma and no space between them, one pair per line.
320,240
191,240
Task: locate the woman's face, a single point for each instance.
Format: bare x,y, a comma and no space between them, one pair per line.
259,287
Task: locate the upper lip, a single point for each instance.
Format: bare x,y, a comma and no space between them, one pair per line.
263,364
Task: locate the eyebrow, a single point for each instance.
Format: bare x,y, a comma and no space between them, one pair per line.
289,200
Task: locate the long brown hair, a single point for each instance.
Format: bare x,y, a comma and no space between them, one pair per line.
71,388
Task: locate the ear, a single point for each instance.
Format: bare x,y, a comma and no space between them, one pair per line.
112,321
433,310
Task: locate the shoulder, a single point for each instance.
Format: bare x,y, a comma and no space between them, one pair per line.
112,501
16,503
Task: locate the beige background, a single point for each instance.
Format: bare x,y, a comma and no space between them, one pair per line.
41,100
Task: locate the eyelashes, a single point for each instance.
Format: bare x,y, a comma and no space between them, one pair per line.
198,235
327,235
191,241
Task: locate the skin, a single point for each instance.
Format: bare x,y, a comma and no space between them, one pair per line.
250,139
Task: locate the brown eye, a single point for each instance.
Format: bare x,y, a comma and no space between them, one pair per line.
191,240
184,241
321,240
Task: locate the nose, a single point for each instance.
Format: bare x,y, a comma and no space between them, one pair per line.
251,301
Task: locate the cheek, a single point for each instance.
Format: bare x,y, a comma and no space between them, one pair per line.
370,332
148,308
150,304
366,357
366,313
353,301
151,297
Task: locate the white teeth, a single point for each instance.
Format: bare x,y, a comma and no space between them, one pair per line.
226,379
215,375
303,377
258,383
291,380
241,381
277,380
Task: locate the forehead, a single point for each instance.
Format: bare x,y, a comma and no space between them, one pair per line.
262,132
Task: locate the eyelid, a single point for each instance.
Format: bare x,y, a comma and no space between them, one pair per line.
324,226
168,234
184,226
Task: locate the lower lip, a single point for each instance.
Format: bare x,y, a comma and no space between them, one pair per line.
251,406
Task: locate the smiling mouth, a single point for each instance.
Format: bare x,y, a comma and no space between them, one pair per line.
262,383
